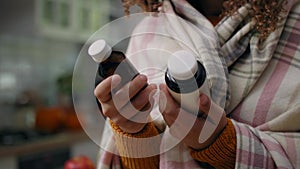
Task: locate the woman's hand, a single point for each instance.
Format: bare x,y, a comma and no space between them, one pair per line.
196,132
130,106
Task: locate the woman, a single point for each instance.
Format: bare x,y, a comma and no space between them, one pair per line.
258,43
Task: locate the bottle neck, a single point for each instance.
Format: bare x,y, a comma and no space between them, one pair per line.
187,85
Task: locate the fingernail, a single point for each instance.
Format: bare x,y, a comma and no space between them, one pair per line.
115,80
143,77
162,103
203,99
153,93
161,86
154,87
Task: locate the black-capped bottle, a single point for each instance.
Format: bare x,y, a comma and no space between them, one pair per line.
112,62
186,79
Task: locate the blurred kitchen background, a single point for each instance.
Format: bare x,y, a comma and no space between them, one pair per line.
39,43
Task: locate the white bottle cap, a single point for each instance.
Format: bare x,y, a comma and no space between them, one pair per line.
182,65
99,50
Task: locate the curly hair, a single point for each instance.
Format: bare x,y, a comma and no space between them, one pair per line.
146,5
267,13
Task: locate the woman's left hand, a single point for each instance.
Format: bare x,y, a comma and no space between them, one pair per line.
196,132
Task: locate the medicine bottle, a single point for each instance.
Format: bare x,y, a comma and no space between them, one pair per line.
186,79
112,62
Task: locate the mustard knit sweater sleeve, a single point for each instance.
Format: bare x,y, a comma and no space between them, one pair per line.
221,153
134,152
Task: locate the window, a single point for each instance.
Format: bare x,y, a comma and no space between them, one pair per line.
71,19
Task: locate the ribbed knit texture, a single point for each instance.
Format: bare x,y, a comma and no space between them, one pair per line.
222,153
132,146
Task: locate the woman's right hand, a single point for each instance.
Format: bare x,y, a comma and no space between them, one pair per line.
128,107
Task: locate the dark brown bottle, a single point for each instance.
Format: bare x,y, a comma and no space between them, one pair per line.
112,62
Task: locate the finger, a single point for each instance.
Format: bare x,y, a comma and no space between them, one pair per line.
103,89
212,112
139,102
127,92
109,110
180,123
205,104
137,122
167,104
143,116
143,97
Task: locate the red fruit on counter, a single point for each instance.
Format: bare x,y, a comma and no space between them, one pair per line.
80,162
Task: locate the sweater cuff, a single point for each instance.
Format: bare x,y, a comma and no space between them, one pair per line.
222,153
138,150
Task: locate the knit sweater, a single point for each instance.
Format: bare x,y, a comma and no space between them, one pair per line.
221,154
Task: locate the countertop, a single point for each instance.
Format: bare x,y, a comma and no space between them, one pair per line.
55,141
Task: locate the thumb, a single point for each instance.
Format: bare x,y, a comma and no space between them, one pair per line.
215,118
204,103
